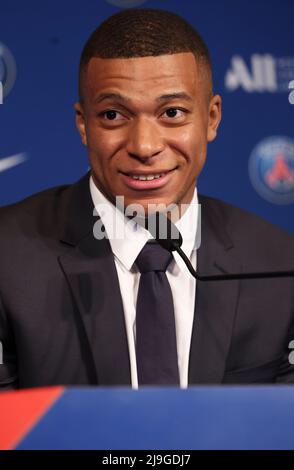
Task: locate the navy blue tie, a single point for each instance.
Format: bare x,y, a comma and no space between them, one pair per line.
156,347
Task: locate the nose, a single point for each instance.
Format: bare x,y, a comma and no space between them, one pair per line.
145,140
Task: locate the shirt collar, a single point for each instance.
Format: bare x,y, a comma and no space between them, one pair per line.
127,238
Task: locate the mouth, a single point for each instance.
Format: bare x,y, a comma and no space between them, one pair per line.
144,181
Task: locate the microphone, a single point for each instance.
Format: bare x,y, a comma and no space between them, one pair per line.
168,236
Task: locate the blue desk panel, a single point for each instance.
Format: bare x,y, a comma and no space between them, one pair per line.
197,418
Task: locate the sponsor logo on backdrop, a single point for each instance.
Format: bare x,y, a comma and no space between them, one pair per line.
291,94
271,169
12,161
261,73
7,71
126,3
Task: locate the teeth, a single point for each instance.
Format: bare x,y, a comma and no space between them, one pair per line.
147,177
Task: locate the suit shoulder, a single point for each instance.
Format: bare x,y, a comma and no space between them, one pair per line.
238,219
250,233
33,202
40,208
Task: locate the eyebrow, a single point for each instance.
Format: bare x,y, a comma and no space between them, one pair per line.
166,97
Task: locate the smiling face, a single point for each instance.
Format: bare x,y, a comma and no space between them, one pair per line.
147,117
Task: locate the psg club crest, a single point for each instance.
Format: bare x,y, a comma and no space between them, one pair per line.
271,169
7,70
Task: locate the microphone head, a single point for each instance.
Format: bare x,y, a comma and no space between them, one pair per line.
164,231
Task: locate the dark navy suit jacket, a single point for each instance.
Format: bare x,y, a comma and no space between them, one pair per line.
61,313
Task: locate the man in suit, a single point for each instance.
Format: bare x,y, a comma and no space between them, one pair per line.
71,302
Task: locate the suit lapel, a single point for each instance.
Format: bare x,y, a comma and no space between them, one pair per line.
216,301
90,271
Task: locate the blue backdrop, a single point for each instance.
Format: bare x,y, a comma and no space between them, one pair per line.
251,164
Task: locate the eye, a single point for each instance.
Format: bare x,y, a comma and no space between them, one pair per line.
174,112
111,115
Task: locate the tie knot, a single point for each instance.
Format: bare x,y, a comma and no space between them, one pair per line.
153,258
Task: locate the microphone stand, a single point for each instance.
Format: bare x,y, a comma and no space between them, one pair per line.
174,240
233,276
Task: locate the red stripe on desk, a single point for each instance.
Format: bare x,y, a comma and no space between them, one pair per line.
20,411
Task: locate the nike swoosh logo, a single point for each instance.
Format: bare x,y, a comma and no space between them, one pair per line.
10,162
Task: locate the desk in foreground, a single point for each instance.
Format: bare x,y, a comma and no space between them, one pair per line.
165,418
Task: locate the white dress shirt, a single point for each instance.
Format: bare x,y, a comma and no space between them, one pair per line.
127,239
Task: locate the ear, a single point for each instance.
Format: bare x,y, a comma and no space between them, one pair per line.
80,122
214,117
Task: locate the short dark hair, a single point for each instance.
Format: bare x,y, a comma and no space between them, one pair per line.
142,32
